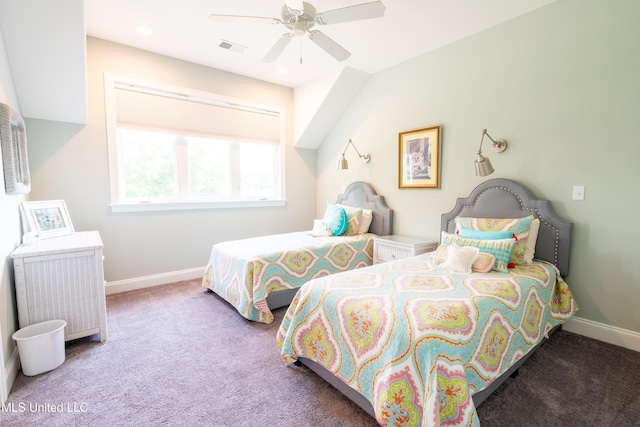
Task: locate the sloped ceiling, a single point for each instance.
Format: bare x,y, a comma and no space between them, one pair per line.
46,44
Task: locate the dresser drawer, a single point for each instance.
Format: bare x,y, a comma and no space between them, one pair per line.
391,248
388,253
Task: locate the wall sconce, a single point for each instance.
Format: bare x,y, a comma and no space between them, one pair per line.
483,165
343,164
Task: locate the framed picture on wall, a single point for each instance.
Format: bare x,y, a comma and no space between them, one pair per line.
419,158
13,138
48,218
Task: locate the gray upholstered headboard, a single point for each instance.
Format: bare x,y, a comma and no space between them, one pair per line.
503,198
361,194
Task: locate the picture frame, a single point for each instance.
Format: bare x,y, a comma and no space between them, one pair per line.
15,163
419,158
47,218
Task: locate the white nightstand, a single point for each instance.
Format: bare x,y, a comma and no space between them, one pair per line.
390,248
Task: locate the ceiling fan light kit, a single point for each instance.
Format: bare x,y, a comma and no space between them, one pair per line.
300,17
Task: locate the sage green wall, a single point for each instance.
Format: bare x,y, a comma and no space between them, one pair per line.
70,162
562,85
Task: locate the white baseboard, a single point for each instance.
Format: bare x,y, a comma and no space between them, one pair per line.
154,280
10,373
599,331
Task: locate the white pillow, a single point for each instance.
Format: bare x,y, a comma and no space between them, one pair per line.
319,229
460,258
483,264
367,217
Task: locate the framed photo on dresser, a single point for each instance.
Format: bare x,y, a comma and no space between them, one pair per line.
47,218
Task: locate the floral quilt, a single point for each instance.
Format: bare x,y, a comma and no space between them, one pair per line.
244,272
418,341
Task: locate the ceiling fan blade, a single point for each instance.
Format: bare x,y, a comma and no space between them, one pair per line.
330,46
370,10
295,5
277,48
237,19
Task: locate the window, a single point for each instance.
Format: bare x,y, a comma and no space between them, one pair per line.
175,148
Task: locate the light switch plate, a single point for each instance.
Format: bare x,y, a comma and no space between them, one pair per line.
578,192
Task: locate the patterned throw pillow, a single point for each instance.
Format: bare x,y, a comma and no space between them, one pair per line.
529,253
518,227
484,263
501,249
335,220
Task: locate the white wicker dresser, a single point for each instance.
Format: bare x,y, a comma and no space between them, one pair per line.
63,278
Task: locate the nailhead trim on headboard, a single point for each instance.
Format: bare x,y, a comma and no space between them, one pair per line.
529,205
535,212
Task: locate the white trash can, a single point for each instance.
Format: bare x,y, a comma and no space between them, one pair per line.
41,346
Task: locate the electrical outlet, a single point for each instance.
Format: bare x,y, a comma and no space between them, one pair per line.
578,192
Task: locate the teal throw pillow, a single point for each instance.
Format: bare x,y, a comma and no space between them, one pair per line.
335,220
484,235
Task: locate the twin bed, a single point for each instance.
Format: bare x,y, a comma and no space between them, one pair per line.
424,340
260,274
415,342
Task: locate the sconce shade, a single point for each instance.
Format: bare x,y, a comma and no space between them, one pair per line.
343,163
483,166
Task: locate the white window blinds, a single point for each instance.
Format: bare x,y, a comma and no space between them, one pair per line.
186,114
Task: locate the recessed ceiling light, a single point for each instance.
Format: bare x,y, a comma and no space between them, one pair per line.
283,70
143,30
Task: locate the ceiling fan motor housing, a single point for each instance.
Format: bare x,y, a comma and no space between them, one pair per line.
299,21
299,17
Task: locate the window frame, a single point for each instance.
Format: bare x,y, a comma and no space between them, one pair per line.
112,80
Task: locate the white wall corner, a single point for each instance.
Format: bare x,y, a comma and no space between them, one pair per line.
318,104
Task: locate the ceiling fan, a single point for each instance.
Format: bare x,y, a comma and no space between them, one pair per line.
300,17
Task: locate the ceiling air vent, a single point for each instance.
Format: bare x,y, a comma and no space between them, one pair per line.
234,47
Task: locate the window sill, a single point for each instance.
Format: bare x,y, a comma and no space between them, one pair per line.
181,206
